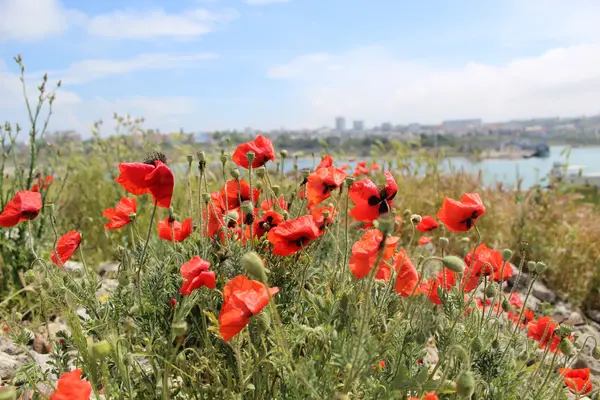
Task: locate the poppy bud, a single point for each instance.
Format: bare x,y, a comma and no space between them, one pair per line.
596,353
276,189
206,197
465,384
566,347
495,344
30,276
181,358
476,345
491,290
540,267
454,263
190,158
531,266
465,240
385,224
129,325
505,305
223,158
201,156
349,181
247,207
415,218
444,242
565,330
407,213
341,396
254,265
507,254
250,157
123,279
8,393
235,173
284,153
305,173
101,350
260,172
131,216
18,316
250,387
179,328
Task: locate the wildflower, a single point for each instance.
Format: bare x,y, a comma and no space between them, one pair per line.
242,298
424,240
169,229
427,224
460,216
380,365
527,317
196,275
26,205
543,331
65,247
361,169
326,161
264,224
293,235
407,276
515,300
173,302
365,253
483,261
398,223
235,192
153,177
321,183
122,214
372,201
375,167
43,184
345,167
262,149
428,396
269,204
445,279
578,380
70,386
323,216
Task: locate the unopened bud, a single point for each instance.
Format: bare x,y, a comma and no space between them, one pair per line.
201,156
495,344
247,208
565,330
465,384
232,215
540,267
284,153
566,347
276,189
8,393
596,353
223,158
18,316
235,173
454,263
206,197
181,358
407,213
505,305
254,265
260,172
416,218
190,158
507,254
385,224
465,240
476,345
444,242
491,290
250,157
123,279
179,328
101,350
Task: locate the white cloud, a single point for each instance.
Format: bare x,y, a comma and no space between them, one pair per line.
34,19
371,83
135,24
89,70
264,2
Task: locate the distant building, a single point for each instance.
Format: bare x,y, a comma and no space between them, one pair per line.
461,125
386,126
340,123
358,125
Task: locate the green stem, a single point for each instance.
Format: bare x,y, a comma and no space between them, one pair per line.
142,257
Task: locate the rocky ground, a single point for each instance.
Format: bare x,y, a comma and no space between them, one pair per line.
543,300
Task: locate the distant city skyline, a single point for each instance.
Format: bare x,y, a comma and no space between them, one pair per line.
229,64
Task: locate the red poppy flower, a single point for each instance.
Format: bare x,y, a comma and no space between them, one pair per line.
380,365
70,386
424,240
372,201
345,167
141,178
375,167
270,204
578,380
445,279
407,276
26,205
358,171
542,331
263,152
398,221
527,317
326,161
361,164
460,216
121,214
365,252
173,302
293,235
242,298
234,193
268,221
196,275
320,219
321,183
44,184
483,261
169,229
65,247
428,396
515,300
427,224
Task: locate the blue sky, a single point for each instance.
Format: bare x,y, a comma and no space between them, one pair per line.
218,64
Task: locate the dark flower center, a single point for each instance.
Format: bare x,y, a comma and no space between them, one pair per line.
30,214
328,188
249,219
469,222
300,241
155,156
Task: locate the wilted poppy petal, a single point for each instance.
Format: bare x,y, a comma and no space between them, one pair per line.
65,247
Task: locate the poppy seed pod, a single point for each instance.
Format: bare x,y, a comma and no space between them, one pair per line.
190,158
305,173
444,242
254,265
260,172
454,263
385,224
416,218
531,266
565,330
247,207
465,240
8,393
179,328
201,156
206,197
349,181
596,353
250,156
101,350
505,305
507,254
465,384
276,189
283,153
325,214
566,347
491,290
232,216
223,158
235,173
540,267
